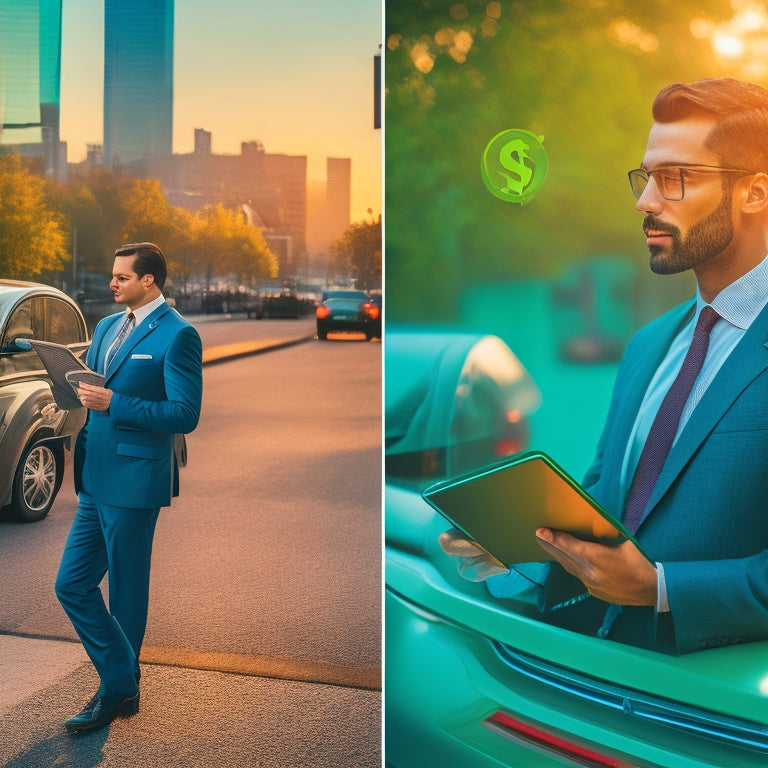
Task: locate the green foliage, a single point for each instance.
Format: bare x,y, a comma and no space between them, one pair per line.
358,253
582,74
33,236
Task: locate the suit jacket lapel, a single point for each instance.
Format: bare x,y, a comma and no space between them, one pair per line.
141,332
97,350
748,359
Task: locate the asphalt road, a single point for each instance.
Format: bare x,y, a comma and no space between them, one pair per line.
267,568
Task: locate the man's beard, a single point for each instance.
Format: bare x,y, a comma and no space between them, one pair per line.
705,240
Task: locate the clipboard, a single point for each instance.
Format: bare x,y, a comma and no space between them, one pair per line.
500,507
65,370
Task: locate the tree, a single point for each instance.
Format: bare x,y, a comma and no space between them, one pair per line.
358,253
95,204
223,244
148,215
582,75
33,236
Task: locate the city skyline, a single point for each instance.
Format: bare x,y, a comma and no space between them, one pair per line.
298,78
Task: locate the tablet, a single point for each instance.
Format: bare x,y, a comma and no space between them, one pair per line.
60,361
501,506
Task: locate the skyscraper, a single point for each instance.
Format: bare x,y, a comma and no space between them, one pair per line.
30,65
138,80
338,173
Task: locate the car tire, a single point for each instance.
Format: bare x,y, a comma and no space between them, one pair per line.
36,482
322,335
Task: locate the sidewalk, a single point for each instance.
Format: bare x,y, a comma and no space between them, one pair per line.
188,717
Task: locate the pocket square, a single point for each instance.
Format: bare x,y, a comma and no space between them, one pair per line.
141,357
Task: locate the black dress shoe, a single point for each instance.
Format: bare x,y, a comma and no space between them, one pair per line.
101,710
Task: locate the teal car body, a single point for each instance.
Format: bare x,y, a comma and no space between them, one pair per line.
474,680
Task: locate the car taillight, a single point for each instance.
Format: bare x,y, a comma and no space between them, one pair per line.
371,310
520,732
322,312
507,446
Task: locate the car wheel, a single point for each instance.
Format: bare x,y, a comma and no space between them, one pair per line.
322,335
36,483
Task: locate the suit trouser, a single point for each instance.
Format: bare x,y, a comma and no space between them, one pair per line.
117,541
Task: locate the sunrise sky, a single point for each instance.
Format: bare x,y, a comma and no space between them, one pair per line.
296,75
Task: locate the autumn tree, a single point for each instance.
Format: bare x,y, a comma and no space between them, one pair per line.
357,253
223,244
33,236
95,205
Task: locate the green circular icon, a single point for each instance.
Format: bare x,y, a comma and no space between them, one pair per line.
514,165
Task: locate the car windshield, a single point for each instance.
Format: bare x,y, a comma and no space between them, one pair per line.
350,295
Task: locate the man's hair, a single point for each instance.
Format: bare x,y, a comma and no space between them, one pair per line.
740,135
149,260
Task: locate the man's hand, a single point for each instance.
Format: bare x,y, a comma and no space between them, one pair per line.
620,575
474,564
95,398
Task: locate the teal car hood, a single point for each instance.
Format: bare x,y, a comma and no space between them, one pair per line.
732,681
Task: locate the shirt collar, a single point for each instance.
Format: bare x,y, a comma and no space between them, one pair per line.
742,301
147,309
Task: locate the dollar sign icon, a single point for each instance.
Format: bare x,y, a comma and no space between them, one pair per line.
514,165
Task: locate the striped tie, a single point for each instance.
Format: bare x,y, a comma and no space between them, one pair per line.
122,335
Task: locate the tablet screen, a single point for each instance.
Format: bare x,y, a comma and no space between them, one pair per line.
501,506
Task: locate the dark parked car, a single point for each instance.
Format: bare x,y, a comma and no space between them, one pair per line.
277,302
474,679
31,446
348,311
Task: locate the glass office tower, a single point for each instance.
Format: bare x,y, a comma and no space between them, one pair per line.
30,79
138,80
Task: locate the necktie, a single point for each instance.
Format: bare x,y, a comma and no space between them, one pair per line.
664,427
122,335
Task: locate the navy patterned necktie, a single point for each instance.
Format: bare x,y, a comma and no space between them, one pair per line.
122,335
664,427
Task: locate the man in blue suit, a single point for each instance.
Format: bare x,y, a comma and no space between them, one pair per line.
125,470
703,191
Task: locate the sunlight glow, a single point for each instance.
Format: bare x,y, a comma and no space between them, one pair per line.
422,58
627,33
728,45
743,37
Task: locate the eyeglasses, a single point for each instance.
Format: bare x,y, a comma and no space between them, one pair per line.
670,179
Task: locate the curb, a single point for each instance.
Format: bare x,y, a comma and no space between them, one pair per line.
224,352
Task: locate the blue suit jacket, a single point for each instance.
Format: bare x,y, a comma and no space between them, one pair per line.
124,456
707,520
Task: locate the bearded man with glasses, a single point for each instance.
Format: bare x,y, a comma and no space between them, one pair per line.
683,458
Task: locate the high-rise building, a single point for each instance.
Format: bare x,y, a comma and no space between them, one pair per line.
337,190
138,80
30,67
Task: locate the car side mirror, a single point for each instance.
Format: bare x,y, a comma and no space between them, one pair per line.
17,344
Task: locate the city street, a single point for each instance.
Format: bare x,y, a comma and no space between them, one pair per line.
264,640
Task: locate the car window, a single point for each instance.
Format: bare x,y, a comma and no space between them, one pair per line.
24,323
42,317
59,321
